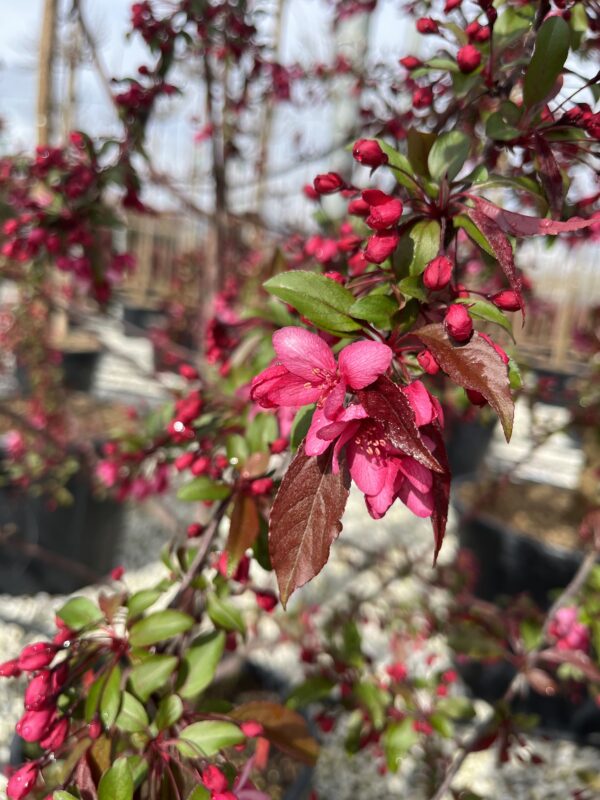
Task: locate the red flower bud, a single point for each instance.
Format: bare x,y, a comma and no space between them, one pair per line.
422,97
427,25
359,208
261,486
380,247
410,62
451,5
310,192
188,372
506,300
496,347
10,669
428,362
59,676
458,323
385,211
476,398
369,153
200,466
279,445
437,273
397,672
57,735
94,729
468,58
214,779
252,729
39,692
34,725
184,461
357,264
328,183
266,600
194,530
22,782
117,573
37,655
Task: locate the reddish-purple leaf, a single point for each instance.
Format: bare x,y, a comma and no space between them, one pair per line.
576,658
84,780
522,225
285,728
386,403
243,529
440,488
474,365
500,245
305,519
550,175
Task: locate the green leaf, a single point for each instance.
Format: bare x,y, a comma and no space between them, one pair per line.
397,741
111,698
418,246
376,309
483,309
200,664
419,144
300,426
207,737
461,221
142,600
531,633
515,379
496,128
60,795
159,626
514,21
549,56
224,614
117,782
401,167
79,612
456,707
448,155
237,447
442,725
310,691
321,300
203,488
413,287
169,711
133,716
446,64
199,793
151,674
261,431
375,700
93,697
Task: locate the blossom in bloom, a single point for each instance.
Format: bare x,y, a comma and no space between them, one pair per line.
22,781
368,152
507,300
437,273
252,729
384,211
328,183
382,472
458,323
214,779
381,246
468,58
570,634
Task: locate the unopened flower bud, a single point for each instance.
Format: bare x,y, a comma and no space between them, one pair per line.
458,323
328,183
22,782
468,58
428,362
427,25
37,655
507,300
380,247
368,152
437,273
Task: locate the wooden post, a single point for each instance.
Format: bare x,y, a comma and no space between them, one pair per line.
45,98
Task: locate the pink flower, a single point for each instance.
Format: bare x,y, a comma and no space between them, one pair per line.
570,634
458,323
108,473
382,472
307,371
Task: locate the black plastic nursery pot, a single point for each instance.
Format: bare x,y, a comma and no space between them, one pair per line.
468,442
509,563
78,367
56,551
139,320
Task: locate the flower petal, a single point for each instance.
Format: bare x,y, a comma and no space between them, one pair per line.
420,401
416,474
378,504
275,386
361,363
302,352
368,473
420,503
315,444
